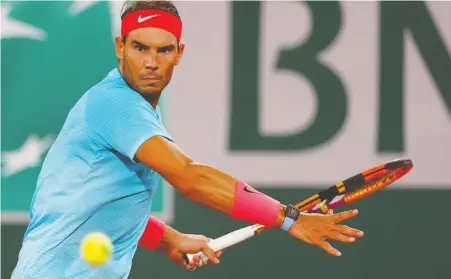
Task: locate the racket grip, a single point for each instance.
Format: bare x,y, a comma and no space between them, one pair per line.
224,242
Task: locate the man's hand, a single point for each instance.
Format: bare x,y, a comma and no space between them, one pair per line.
188,244
316,228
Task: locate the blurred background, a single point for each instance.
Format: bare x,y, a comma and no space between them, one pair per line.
289,96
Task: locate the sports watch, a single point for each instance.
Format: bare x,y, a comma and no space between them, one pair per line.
291,215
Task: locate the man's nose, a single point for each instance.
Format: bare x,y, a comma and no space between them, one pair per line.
151,62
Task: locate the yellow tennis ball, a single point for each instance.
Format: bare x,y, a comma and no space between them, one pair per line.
96,248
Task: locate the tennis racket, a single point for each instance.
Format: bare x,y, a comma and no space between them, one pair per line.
343,193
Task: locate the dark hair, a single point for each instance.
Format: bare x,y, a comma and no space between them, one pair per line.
164,5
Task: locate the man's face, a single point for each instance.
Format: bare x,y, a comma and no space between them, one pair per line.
148,57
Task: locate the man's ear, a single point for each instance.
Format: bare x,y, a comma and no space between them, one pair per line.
180,54
119,43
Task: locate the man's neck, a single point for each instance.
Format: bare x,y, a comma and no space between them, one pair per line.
152,99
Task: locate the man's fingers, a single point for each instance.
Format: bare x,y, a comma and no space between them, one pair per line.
328,248
345,215
340,237
210,254
197,261
348,231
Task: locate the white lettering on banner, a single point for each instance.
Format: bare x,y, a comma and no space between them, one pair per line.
199,108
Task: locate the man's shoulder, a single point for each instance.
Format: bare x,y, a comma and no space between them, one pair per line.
111,82
106,90
111,90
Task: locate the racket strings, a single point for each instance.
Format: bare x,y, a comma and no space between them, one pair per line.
371,187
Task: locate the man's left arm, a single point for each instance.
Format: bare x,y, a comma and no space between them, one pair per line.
163,238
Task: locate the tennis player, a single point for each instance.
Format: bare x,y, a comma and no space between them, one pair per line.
103,169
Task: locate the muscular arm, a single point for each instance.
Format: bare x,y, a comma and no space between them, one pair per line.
203,184
215,189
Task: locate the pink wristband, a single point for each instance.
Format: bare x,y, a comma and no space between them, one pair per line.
153,233
253,206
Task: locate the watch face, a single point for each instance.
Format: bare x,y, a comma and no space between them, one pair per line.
292,212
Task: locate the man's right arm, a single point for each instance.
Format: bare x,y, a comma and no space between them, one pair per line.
201,183
218,190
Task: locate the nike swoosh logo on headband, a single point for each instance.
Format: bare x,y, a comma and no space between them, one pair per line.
142,19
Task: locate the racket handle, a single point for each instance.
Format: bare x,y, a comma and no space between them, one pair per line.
225,241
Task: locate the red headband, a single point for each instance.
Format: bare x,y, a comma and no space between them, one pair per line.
152,18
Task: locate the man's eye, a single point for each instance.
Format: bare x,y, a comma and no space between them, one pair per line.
165,50
140,48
